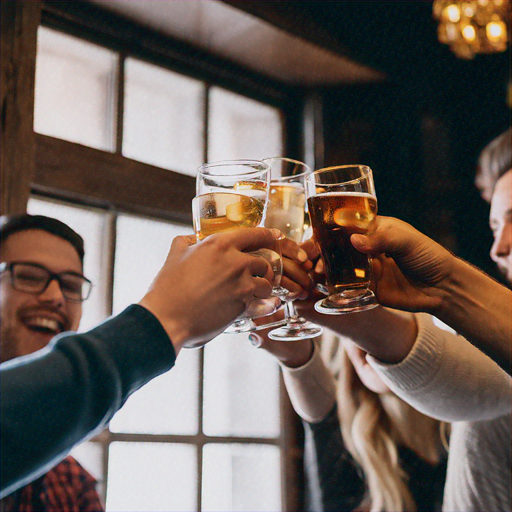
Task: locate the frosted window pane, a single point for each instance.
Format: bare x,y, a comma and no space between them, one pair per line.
151,477
240,478
242,128
89,224
141,249
241,389
89,455
163,118
74,92
167,405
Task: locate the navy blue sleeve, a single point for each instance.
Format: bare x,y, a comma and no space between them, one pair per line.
60,396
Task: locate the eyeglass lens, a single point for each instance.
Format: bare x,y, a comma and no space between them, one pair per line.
34,279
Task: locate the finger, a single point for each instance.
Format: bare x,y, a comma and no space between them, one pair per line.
260,267
391,236
262,288
255,339
180,243
311,248
292,250
250,239
296,273
260,308
296,291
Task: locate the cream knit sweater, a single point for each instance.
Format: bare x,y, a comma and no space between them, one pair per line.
446,377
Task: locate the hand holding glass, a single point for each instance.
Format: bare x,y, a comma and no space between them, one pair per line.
233,195
342,202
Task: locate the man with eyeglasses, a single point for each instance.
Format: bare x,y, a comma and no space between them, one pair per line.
57,397
42,290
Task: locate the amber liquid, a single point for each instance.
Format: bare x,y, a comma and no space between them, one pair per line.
220,211
335,217
285,210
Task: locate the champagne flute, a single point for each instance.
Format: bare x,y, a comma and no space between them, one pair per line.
234,194
342,202
285,211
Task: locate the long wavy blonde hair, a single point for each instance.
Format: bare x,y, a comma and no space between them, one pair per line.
373,426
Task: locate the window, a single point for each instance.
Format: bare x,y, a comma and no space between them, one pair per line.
208,435
242,128
163,117
75,86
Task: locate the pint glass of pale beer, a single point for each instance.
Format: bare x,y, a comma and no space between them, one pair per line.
342,202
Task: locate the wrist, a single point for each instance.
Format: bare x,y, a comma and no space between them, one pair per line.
455,291
301,353
175,331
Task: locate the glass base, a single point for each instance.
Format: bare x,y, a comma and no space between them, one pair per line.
350,301
296,331
242,325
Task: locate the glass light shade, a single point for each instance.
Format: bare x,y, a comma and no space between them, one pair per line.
471,27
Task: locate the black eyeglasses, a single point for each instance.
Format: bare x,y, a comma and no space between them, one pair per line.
34,278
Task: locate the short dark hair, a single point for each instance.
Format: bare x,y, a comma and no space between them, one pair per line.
10,224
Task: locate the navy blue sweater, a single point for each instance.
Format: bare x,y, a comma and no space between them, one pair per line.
59,396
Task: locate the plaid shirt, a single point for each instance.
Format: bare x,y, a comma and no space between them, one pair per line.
68,487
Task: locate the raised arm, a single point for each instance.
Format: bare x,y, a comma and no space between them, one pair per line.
57,397
414,273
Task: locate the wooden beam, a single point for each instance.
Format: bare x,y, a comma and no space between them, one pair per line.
19,22
72,171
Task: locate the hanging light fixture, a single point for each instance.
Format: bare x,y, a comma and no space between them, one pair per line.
473,26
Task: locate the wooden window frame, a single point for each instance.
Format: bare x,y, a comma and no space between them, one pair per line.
35,163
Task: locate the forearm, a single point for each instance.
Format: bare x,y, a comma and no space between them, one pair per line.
386,334
311,388
446,377
480,309
56,398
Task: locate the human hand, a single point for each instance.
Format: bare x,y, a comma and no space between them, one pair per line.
290,353
296,268
202,287
411,271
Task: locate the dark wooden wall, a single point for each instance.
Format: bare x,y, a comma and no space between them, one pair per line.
423,155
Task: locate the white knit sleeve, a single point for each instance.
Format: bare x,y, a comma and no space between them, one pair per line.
446,377
311,388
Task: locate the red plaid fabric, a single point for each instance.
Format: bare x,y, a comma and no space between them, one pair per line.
68,487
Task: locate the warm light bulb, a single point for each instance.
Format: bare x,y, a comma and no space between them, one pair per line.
469,33
452,13
495,31
468,10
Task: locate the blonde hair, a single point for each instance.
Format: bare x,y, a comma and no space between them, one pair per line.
373,426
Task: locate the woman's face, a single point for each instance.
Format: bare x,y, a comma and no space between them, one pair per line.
365,372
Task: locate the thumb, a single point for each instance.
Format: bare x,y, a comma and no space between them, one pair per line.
391,237
374,243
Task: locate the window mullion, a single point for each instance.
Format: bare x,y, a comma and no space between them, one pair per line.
120,104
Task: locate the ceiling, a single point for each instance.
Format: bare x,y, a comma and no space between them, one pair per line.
331,43
228,32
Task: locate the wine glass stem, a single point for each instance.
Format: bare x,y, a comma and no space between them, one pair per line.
291,313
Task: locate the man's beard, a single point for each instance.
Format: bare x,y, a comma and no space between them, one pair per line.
9,343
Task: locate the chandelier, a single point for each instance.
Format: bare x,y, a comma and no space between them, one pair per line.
473,26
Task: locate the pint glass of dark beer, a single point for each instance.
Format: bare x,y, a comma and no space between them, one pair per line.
341,202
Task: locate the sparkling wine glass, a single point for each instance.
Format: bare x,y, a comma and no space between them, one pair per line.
234,194
285,211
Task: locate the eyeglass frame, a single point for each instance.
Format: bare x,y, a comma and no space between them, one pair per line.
8,267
